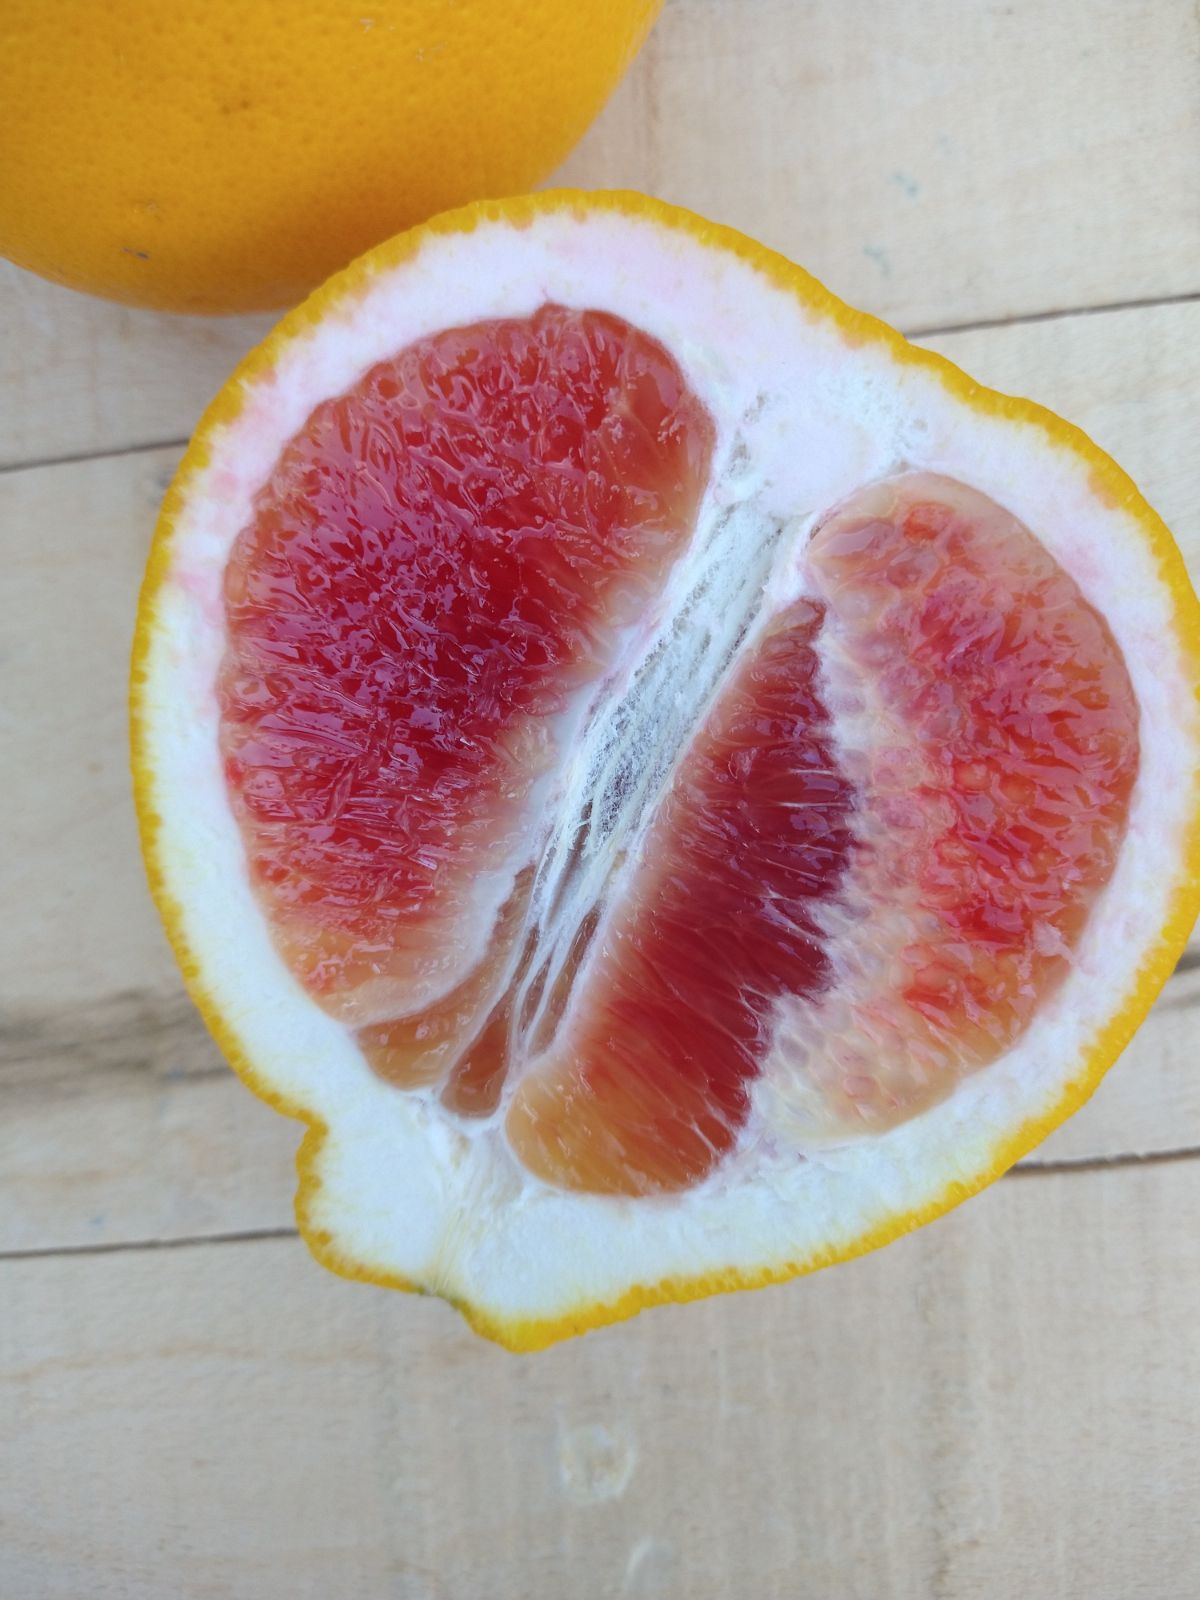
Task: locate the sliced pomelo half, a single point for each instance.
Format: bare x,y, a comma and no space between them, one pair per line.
674,785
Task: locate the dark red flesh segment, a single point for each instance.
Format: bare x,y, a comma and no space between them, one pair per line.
647,1087
441,557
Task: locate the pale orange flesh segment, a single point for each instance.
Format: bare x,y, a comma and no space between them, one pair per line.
1001,743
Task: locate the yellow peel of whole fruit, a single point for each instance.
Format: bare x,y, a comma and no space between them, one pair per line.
229,155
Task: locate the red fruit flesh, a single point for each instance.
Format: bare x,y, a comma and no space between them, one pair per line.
650,1086
441,557
447,558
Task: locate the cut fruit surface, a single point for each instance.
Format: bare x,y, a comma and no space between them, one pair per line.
440,559
999,742
696,785
649,1087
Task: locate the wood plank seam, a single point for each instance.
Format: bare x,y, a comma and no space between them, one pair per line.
1027,1169
124,1246
1028,318
931,331
141,448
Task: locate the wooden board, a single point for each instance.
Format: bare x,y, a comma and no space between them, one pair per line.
936,161
1005,1404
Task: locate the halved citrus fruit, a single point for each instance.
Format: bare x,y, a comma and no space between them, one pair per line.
673,785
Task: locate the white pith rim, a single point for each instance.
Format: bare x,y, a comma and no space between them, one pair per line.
404,1191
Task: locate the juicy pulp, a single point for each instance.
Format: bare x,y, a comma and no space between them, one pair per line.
858,906
439,560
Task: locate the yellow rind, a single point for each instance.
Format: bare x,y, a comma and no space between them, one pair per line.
1109,482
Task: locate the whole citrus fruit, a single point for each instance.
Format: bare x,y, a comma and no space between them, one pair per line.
674,785
228,156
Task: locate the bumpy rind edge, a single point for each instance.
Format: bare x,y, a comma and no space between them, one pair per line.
1110,484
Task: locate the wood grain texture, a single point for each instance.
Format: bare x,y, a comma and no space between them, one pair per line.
79,376
1006,1404
120,1122
938,162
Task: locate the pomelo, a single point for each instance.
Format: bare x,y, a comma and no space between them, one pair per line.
228,156
674,785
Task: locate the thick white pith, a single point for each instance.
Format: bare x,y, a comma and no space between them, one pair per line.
803,420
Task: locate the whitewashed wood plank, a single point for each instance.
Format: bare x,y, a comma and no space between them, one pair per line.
936,161
79,375
1004,1404
116,1122
120,1122
75,541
